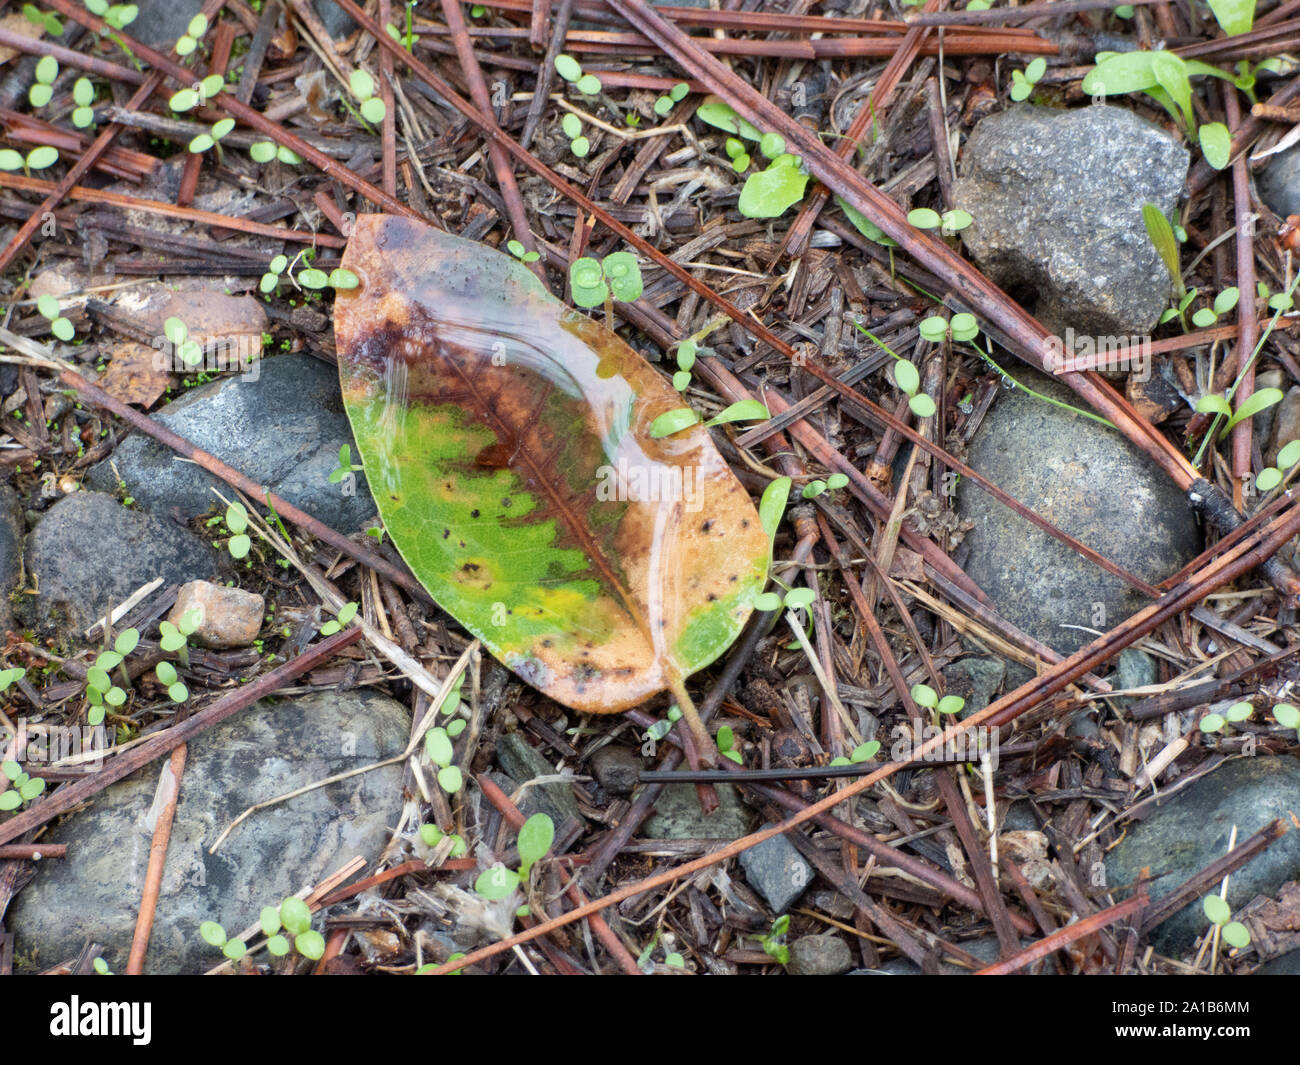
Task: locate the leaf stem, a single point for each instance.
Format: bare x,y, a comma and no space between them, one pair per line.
703,741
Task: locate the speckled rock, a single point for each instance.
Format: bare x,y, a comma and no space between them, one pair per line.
263,752
777,871
1191,829
1279,184
89,552
227,617
1086,479
824,955
1057,200
678,816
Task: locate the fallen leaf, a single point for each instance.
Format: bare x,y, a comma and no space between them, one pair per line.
136,374
506,440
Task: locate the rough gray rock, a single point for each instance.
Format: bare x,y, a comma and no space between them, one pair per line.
1283,965
1057,200
283,427
163,21
976,679
1191,829
11,552
89,551
777,871
1279,184
985,949
616,769
1087,480
524,763
264,751
824,955
677,815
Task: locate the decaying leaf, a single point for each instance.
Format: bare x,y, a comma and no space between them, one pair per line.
506,440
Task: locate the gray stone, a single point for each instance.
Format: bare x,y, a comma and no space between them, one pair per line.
1282,965
525,763
985,949
1089,481
89,552
777,871
340,23
616,769
282,426
1279,184
161,22
1133,669
1191,829
678,816
11,552
824,955
1020,817
1057,198
976,679
263,752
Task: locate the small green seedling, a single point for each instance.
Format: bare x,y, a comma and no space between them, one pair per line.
9,677
37,159
735,149
676,94
345,467
535,838
924,695
212,139
961,328
863,752
118,16
21,787
521,253
346,613
1248,408
271,279
674,421
50,310
44,19
101,967
618,277
1287,716
83,95
1234,933
187,99
795,599
1023,82
47,69
431,835
292,916
727,745
571,71
338,278
1235,16
407,39
438,746
189,41
832,483
363,88
908,380
496,883
770,193
237,522
1236,713
1277,301
1271,476
774,945
174,639
265,151
1223,303
188,350
572,126
721,115
948,223
167,677
1166,77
